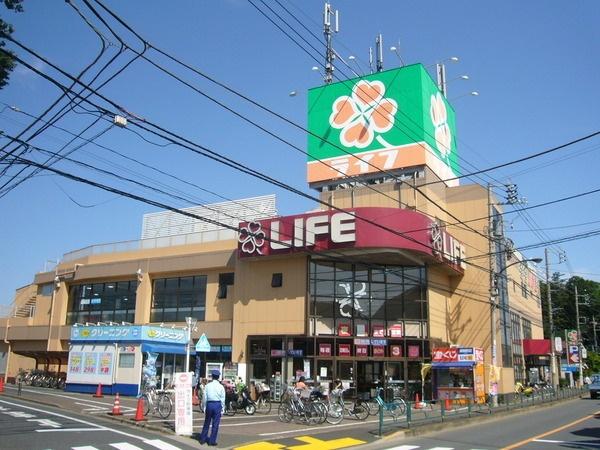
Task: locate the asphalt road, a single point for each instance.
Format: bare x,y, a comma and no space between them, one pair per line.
29,427
572,424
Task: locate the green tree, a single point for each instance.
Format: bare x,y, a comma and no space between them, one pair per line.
7,63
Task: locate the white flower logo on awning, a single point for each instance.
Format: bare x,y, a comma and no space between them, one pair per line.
252,238
439,118
362,114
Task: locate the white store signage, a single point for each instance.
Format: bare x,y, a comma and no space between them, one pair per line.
183,403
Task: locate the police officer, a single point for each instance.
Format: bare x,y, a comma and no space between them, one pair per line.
213,400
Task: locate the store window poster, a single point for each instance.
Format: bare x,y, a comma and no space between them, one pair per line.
75,362
378,350
378,331
90,362
344,329
361,350
344,350
413,351
361,329
396,351
324,349
396,330
105,367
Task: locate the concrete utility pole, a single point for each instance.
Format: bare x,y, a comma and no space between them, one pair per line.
493,384
579,340
594,330
551,321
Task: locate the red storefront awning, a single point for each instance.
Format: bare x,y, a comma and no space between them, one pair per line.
536,347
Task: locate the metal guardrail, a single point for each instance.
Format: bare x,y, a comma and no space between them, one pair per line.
441,412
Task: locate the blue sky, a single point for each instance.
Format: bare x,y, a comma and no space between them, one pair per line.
533,63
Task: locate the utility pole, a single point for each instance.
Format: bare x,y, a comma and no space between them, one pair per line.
579,340
550,320
594,329
493,383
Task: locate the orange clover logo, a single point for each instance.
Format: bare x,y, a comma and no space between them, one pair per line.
363,113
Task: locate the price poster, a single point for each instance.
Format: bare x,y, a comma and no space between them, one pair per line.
106,360
90,363
75,362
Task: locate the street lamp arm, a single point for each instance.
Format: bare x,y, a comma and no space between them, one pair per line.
535,260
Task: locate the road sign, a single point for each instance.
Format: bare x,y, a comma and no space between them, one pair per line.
203,345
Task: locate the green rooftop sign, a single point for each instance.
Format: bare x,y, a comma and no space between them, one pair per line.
392,119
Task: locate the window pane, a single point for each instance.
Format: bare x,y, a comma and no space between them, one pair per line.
186,283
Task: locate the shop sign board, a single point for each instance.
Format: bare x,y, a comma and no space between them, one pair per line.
295,353
571,336
363,341
123,333
378,331
183,403
361,350
396,351
381,342
344,329
392,119
573,354
457,354
414,351
395,331
344,350
558,345
378,350
382,228
324,349
277,353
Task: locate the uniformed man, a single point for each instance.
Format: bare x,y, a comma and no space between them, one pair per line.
213,399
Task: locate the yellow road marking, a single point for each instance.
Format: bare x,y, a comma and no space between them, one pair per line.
547,433
318,444
261,446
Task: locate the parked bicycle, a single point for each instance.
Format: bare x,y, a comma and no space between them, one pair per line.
337,408
300,404
157,401
395,408
263,398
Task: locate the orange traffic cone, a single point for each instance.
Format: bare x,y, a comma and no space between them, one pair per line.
417,401
139,412
98,393
1,384
116,410
195,399
448,405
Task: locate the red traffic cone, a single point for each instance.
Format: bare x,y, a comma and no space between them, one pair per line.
1,384
417,401
195,399
116,410
98,393
448,405
139,412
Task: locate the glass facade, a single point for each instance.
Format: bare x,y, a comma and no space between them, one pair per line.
102,302
174,299
355,300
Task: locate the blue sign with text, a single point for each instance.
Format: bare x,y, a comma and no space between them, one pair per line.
120,333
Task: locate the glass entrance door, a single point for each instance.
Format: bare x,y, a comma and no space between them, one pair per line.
345,372
369,373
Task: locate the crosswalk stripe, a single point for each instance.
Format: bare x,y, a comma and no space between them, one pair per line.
125,446
442,448
162,445
404,447
85,447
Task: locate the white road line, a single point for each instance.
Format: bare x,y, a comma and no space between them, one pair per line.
548,441
441,448
85,447
304,430
125,446
89,405
404,447
71,429
162,445
63,396
85,422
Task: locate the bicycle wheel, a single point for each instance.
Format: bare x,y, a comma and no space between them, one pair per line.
322,408
335,413
396,408
313,414
373,407
285,412
164,406
146,402
360,411
263,405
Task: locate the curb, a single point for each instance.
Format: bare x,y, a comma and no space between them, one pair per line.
30,400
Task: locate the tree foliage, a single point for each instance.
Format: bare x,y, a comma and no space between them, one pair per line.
563,307
7,63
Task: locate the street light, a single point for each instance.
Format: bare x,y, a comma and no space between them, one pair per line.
494,294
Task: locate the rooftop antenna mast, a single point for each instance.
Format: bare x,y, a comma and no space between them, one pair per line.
327,30
441,78
379,52
370,59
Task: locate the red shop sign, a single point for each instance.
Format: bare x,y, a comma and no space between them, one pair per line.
445,354
396,330
378,331
413,351
396,351
344,350
344,329
324,349
378,350
361,350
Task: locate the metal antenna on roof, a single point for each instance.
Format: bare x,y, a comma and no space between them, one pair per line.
329,52
379,51
371,59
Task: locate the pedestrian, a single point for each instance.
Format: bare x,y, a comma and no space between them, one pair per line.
213,399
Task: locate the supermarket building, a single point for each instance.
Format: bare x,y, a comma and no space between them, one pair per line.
370,286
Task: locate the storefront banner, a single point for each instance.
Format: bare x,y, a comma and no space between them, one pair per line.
382,342
295,353
445,354
414,351
362,341
457,354
361,350
277,353
183,403
122,333
324,349
396,351
344,350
